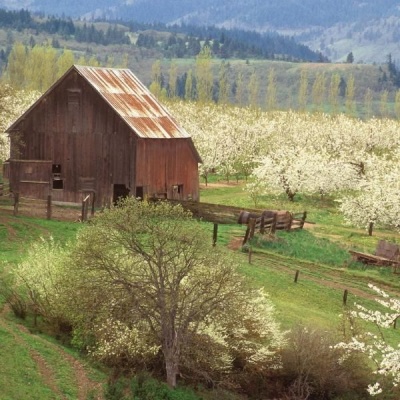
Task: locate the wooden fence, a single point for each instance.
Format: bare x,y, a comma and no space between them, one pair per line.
269,222
256,220
4,189
44,208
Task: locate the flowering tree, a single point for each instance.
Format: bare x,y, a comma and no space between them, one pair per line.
375,200
385,357
12,104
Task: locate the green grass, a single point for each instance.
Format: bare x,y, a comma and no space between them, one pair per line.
319,253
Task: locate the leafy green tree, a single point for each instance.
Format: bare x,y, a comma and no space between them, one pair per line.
173,78
350,108
204,76
384,103
368,102
303,90
334,92
271,90
224,85
318,91
189,85
239,94
397,104
64,62
146,284
253,90
156,79
17,61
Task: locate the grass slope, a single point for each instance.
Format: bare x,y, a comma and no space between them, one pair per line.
40,368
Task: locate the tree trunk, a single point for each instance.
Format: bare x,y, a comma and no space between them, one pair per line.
171,368
370,228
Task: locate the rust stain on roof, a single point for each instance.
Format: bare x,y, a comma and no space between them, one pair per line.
124,92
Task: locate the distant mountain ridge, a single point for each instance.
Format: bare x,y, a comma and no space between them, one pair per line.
368,28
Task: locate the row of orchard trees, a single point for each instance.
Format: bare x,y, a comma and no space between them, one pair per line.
315,91
38,67
357,162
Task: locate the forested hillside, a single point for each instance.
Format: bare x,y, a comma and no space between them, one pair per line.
172,41
368,28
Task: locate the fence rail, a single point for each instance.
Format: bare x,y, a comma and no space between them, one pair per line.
4,189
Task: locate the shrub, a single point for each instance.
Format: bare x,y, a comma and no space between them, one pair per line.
312,368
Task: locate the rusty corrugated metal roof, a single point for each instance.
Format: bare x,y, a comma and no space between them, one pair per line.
136,105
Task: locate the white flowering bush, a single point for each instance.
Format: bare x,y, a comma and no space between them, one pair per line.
12,105
384,356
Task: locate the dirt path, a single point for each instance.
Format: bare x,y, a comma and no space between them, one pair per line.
332,278
85,386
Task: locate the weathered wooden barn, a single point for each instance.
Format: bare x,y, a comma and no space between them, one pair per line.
100,130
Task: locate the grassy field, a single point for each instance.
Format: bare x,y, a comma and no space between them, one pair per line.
41,368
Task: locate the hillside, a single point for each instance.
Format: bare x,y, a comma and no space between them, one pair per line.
369,29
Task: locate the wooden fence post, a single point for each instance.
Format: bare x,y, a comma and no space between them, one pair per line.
246,235
252,224
303,220
84,208
215,234
262,224
16,202
93,201
345,293
273,225
49,206
296,277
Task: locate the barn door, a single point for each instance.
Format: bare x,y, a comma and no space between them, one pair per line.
120,191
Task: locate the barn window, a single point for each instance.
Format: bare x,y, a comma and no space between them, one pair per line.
178,189
58,183
74,107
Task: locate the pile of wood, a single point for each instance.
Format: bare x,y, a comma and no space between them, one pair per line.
386,254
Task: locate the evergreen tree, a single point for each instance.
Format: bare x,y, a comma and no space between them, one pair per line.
350,58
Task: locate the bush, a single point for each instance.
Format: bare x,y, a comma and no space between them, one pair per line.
312,369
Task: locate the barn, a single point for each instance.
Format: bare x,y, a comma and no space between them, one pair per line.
100,131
